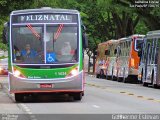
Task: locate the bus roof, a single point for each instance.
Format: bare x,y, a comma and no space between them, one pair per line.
137,35
45,10
129,38
155,34
107,42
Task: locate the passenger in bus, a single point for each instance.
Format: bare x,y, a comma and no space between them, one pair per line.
66,52
28,52
66,49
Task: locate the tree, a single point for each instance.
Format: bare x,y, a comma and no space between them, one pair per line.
149,15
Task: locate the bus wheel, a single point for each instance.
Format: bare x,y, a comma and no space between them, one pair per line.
124,80
108,77
155,86
77,96
145,84
19,97
141,81
83,93
119,79
97,75
102,74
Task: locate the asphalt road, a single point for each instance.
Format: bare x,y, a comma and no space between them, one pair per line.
101,97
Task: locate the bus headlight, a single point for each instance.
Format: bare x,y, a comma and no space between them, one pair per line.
17,73
73,72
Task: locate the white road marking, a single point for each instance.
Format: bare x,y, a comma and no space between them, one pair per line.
96,106
28,111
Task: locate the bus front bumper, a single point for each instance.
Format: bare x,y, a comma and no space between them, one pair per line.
23,85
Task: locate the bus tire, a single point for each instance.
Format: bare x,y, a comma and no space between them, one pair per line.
83,93
145,84
119,79
108,77
19,97
154,85
141,77
77,96
97,75
125,80
102,74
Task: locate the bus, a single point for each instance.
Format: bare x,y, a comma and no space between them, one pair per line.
103,57
111,54
127,61
46,52
149,68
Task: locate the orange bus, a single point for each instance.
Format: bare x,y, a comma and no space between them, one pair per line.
127,61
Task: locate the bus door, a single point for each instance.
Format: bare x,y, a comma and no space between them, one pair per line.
157,62
147,60
117,65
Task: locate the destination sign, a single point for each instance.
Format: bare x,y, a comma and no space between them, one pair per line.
44,18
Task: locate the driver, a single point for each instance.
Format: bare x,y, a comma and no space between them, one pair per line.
28,52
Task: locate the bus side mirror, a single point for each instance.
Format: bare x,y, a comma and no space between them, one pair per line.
107,52
83,28
84,40
84,37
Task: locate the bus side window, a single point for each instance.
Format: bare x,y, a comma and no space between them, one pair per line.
156,55
107,52
148,53
120,52
144,51
115,51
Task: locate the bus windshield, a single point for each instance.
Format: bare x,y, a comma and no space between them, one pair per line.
44,44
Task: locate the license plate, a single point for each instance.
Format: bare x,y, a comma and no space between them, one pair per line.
46,85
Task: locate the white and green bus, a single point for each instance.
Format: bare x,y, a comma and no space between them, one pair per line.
46,52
